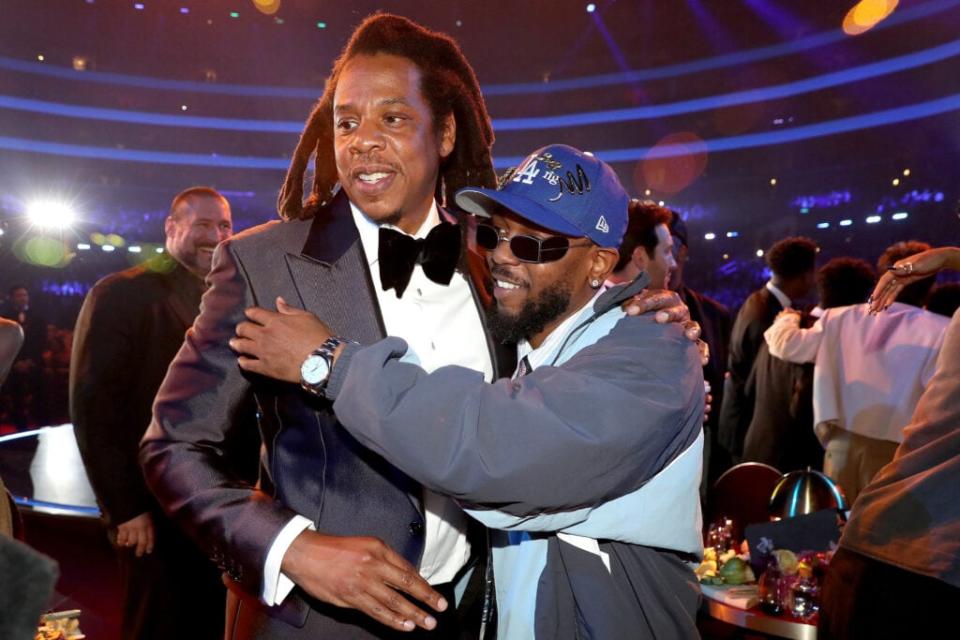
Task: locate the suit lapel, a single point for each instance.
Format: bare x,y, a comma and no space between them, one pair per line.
332,278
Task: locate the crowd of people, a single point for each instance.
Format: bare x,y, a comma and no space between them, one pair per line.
434,403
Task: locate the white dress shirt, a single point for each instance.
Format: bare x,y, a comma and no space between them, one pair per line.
442,326
869,369
783,298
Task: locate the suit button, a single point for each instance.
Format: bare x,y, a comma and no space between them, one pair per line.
416,528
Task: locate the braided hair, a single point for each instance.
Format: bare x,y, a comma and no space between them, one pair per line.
448,85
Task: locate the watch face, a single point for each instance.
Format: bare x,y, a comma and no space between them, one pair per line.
314,369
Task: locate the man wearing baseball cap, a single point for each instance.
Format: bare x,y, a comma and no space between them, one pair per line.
585,465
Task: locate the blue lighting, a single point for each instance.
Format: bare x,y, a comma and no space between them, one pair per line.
823,225
902,16
749,96
184,10
138,6
830,127
733,234
846,223
779,136
514,124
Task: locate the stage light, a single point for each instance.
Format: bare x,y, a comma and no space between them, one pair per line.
661,203
647,192
267,7
234,14
591,8
873,219
48,214
321,25
79,63
846,223
138,6
83,246
906,173
900,215
726,256
459,23
759,253
867,14
40,57
896,182
184,10
108,248
134,249
159,249
709,236
183,107
733,234
823,225
804,210
773,182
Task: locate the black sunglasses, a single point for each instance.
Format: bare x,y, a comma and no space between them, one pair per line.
525,248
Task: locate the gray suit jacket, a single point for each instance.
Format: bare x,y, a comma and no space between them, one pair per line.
311,466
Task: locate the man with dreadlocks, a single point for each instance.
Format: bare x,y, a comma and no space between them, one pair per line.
334,533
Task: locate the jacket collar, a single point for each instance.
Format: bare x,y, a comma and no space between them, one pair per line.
332,232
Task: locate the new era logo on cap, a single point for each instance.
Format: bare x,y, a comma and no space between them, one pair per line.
562,189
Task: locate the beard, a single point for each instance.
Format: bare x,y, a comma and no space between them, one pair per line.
533,316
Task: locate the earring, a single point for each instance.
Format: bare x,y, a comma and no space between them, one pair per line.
595,283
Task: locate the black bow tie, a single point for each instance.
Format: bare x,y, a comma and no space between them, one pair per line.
438,253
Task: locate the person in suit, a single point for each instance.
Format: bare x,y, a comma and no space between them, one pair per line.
334,538
323,546
780,433
128,330
792,262
715,322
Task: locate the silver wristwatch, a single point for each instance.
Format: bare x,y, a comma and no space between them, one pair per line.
315,370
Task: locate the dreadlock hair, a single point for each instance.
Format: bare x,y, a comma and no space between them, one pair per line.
448,84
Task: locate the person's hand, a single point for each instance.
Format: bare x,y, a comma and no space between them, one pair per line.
363,574
788,312
137,533
275,343
907,271
669,308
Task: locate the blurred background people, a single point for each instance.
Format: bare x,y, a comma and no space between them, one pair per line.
870,372
792,262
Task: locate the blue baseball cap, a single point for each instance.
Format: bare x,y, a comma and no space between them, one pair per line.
561,189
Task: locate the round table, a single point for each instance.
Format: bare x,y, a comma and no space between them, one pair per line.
43,471
756,620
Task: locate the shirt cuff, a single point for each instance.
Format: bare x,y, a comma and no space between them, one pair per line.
276,585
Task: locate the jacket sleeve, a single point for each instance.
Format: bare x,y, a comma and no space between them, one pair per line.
196,421
787,341
105,348
560,438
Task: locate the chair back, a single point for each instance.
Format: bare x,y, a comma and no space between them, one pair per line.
742,493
